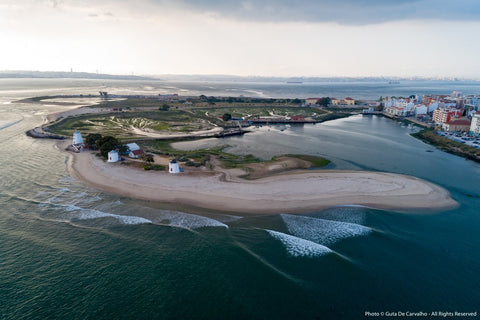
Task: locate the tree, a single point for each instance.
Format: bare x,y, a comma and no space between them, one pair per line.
226,116
164,107
148,158
91,140
122,148
324,102
107,144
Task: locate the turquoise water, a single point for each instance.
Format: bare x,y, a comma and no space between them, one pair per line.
72,252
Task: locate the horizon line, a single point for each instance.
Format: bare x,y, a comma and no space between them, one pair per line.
133,74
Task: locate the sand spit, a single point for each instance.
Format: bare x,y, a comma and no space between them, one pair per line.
292,192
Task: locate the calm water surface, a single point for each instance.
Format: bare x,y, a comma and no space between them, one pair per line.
71,252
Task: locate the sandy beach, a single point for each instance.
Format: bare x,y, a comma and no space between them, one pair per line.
291,192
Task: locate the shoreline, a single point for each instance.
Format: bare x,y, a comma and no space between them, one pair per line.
290,192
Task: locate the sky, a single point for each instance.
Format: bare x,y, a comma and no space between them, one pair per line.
325,38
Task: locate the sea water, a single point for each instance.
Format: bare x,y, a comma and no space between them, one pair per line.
68,251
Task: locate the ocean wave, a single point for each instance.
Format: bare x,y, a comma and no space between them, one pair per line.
87,214
322,231
186,220
298,247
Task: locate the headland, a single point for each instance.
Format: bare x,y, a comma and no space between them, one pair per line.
279,186
297,191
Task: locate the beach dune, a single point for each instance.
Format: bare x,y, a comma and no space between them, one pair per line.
291,192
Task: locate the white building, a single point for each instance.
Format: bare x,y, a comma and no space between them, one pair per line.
112,156
132,146
396,111
433,106
77,143
421,110
173,166
135,154
77,138
475,126
311,101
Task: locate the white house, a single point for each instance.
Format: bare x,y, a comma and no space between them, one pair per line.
173,166
112,156
135,154
132,146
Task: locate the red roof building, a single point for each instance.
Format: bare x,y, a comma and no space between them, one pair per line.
136,153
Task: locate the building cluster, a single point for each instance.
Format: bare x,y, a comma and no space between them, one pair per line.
346,102
133,151
454,112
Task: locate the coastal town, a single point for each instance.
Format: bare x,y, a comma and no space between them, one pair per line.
449,114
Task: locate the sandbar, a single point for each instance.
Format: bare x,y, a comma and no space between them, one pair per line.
298,191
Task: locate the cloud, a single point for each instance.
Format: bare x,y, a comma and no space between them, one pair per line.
350,12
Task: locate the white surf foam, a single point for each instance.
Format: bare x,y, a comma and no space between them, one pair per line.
186,220
352,214
322,231
87,214
298,247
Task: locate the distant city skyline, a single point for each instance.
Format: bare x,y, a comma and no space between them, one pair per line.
344,38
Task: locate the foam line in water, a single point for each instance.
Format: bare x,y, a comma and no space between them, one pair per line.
86,214
186,220
298,247
322,231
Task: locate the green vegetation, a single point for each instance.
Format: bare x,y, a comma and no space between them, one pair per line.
245,111
91,140
324,102
226,117
200,157
120,124
447,145
109,143
316,162
128,119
